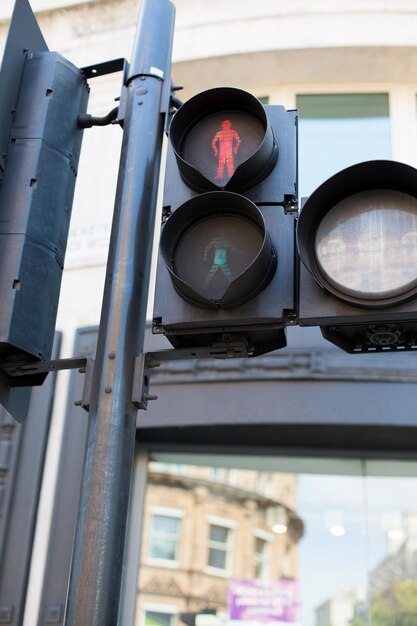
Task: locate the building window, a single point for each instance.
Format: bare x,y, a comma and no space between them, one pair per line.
339,130
165,536
219,545
157,618
261,555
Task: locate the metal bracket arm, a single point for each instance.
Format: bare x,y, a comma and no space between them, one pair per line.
22,374
145,362
88,381
21,369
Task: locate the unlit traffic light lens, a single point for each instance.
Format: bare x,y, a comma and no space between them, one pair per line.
366,245
357,234
215,251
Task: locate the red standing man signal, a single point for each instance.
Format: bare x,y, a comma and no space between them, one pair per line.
225,137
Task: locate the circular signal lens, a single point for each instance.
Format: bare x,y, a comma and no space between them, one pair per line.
215,251
366,245
222,139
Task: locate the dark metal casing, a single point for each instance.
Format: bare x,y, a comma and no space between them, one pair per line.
260,321
354,327
35,202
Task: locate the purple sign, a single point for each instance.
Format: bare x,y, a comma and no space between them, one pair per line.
257,601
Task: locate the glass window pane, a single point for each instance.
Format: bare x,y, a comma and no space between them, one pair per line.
338,130
260,545
162,523
342,106
218,546
259,557
392,547
163,549
346,553
335,561
164,537
155,618
217,558
218,533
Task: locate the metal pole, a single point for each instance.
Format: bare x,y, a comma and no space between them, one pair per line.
95,580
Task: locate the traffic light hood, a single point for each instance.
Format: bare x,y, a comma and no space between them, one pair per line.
218,225
357,232
211,154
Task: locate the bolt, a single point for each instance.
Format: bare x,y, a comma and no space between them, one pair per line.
112,355
107,390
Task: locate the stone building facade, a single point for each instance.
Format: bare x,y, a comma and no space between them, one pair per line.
203,527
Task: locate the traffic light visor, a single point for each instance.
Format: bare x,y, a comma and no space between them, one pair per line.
357,234
222,139
217,250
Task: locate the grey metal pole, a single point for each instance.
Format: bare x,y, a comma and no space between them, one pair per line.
95,580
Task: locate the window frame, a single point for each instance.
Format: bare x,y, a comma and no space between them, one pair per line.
169,512
230,525
265,557
167,609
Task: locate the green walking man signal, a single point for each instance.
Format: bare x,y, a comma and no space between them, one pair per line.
221,245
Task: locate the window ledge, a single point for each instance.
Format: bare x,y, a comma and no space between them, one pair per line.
216,571
162,562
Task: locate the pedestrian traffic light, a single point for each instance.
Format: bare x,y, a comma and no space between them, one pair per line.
357,240
227,249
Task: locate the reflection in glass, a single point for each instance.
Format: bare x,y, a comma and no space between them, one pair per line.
164,537
259,557
365,244
218,546
156,618
348,558
393,551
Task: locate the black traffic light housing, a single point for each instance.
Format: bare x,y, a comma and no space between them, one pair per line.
227,250
35,202
357,240
41,97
